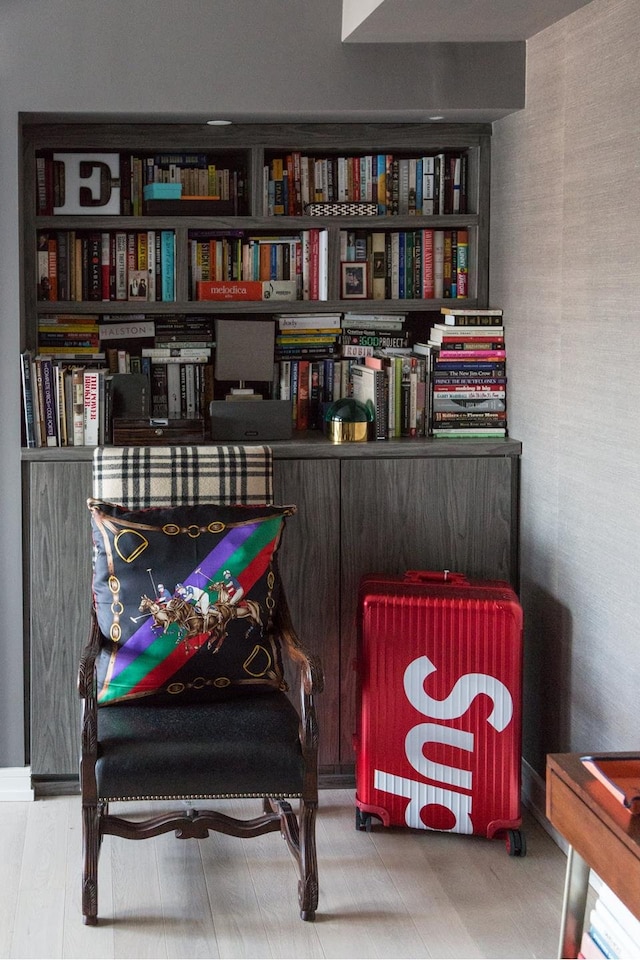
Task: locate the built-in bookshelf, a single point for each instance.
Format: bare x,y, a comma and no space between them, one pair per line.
137,236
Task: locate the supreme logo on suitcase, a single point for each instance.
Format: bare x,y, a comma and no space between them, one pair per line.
439,718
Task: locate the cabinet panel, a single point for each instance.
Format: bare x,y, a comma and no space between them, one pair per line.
59,560
430,514
309,564
358,512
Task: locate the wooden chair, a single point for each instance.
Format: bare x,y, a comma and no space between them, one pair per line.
162,746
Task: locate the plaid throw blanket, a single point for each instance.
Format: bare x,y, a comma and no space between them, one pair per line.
161,476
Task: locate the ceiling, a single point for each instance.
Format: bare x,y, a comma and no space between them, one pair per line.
449,21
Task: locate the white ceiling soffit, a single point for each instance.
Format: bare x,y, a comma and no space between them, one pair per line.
450,21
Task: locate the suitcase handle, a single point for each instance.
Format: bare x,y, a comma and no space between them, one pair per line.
434,576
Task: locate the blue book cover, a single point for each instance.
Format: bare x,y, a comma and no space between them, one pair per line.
167,260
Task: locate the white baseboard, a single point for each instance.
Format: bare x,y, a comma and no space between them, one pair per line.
15,784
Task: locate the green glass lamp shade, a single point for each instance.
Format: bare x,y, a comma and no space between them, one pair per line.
348,420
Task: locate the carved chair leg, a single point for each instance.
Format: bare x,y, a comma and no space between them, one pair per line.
308,885
91,850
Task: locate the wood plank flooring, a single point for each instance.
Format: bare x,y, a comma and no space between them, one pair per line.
385,894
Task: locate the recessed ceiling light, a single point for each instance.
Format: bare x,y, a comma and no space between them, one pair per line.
437,117
218,123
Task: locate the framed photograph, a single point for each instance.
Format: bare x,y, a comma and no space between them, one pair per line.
354,281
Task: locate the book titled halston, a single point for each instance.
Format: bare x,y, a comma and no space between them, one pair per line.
246,290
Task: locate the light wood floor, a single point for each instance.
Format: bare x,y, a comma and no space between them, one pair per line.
385,894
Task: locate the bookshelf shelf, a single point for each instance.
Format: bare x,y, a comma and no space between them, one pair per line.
249,153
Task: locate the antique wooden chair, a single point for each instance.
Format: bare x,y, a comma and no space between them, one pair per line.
183,688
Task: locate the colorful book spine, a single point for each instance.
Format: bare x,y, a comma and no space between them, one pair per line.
168,267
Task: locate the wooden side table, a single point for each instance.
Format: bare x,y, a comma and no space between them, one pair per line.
602,836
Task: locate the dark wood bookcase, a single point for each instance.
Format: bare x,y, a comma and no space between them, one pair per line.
362,508
247,150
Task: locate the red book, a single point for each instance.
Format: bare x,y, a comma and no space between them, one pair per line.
229,290
105,261
302,412
473,354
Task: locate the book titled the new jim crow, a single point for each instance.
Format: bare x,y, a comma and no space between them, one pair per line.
620,774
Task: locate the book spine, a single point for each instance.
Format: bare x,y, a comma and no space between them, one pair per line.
159,390
167,246
49,395
462,282
105,260
77,395
428,282
91,407
473,354
27,398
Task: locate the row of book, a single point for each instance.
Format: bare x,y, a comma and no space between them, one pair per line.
421,186
452,385
410,264
612,931
225,257
467,359
105,265
121,178
324,357
74,404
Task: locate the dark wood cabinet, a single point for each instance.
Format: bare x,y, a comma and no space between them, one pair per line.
362,508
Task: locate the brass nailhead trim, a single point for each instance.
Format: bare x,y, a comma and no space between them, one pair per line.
208,796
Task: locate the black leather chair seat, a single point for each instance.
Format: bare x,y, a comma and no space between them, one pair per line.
232,747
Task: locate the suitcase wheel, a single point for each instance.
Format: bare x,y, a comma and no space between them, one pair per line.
363,820
516,843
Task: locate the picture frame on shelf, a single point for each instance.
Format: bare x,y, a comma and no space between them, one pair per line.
354,281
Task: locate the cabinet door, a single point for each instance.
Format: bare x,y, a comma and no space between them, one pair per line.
309,562
59,557
429,514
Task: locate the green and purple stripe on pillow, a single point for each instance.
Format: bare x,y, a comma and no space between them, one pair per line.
184,598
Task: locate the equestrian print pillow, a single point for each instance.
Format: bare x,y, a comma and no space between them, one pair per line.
184,598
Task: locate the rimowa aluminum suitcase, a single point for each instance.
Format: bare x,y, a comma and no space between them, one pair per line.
438,738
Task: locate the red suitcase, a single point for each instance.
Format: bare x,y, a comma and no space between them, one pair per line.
438,739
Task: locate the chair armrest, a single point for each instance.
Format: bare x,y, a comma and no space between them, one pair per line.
311,683
311,673
86,669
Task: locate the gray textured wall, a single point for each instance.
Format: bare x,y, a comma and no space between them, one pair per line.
565,265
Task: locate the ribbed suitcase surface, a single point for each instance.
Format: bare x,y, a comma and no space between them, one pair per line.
438,741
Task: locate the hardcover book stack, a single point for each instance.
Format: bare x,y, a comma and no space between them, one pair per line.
612,931
306,351
468,373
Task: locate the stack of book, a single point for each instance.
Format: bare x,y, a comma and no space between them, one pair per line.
69,336
306,349
613,931
468,373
